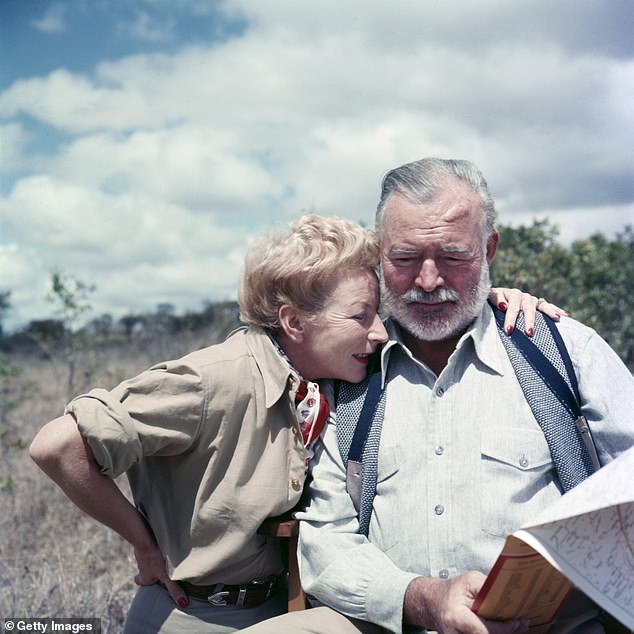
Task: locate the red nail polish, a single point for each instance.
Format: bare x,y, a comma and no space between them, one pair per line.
182,603
502,306
530,332
510,329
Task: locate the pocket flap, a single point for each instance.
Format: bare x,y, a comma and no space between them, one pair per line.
524,449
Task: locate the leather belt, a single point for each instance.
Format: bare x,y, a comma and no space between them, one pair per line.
247,595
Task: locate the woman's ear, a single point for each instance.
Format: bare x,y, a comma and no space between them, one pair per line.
291,322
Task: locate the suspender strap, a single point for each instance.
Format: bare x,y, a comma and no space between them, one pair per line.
544,368
366,416
557,411
361,463
354,463
581,423
565,357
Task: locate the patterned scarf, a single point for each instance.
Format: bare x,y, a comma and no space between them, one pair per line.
312,407
312,411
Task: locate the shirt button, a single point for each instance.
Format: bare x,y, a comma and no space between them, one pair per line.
443,573
439,509
439,451
440,391
523,462
296,484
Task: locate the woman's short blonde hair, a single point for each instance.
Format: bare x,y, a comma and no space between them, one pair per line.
299,265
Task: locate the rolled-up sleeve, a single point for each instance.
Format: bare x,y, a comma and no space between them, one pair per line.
158,412
340,567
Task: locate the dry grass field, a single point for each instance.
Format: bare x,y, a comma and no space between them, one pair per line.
54,560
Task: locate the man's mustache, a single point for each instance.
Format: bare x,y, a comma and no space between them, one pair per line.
419,296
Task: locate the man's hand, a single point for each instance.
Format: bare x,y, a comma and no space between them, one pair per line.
152,569
445,606
512,301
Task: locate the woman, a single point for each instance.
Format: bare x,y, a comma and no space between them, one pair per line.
216,442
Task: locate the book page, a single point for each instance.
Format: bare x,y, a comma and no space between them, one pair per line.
596,552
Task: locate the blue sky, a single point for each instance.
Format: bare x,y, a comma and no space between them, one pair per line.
144,143
38,35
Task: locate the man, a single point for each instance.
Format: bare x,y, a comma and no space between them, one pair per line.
462,460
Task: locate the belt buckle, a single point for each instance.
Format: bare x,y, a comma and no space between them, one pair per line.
217,599
270,581
242,593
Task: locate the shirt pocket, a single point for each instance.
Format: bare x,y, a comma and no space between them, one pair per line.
516,471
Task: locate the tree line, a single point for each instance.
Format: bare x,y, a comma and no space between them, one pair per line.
593,278
69,299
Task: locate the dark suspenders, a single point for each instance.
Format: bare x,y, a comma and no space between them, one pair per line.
553,380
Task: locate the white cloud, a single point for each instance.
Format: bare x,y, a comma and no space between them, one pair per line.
79,224
13,139
52,21
197,166
137,250
148,28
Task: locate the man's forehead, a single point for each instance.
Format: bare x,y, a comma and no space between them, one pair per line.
460,213
455,202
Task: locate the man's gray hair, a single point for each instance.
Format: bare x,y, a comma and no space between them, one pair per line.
420,182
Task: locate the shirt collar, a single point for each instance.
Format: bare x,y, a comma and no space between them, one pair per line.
276,374
483,332
486,340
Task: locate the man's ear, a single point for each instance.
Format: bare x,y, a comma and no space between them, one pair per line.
492,246
291,322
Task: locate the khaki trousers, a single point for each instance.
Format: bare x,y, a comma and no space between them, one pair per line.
321,620
324,620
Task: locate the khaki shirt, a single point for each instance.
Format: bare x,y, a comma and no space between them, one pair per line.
211,447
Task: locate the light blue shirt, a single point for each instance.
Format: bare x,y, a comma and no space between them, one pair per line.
462,464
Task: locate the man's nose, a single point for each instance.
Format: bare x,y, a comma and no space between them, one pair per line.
429,277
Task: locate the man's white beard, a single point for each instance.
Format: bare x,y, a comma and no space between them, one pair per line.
435,327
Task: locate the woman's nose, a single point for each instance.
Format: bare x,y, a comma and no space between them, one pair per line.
377,332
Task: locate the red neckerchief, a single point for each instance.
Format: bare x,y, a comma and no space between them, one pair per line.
311,405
